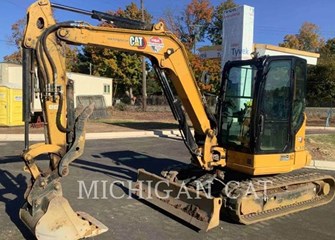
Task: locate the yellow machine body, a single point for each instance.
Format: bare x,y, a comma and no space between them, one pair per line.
45,43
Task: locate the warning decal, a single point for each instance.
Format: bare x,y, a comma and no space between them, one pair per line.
156,44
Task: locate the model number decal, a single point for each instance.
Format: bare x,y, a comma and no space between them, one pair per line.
285,157
137,41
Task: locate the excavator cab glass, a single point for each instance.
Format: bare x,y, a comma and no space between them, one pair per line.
236,108
262,104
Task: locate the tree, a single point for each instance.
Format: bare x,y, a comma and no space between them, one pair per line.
321,85
132,11
308,39
16,39
210,66
198,20
328,50
124,68
191,25
15,57
321,78
214,30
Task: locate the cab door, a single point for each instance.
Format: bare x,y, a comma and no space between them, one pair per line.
273,131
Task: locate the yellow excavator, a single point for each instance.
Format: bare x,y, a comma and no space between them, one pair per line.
252,143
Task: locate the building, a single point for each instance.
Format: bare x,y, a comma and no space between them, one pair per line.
85,86
266,49
208,52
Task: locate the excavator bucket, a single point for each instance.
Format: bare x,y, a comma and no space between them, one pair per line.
50,216
61,222
190,205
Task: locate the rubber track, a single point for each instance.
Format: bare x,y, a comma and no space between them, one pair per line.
231,207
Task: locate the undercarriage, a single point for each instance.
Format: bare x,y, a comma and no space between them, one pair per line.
235,197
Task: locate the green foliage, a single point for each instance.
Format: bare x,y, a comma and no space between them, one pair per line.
321,78
84,62
153,85
71,58
328,50
214,30
326,139
121,106
133,12
124,67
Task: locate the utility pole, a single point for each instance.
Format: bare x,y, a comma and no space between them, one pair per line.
90,68
196,35
144,77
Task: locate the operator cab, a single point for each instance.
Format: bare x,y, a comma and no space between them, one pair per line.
262,104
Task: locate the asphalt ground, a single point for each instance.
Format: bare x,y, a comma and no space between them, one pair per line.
113,160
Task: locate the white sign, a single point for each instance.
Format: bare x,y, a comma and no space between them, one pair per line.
238,33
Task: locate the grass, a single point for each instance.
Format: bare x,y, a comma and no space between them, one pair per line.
323,138
321,146
328,139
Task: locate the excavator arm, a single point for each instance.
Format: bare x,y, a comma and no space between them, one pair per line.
165,51
46,212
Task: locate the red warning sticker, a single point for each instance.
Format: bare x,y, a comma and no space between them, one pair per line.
156,44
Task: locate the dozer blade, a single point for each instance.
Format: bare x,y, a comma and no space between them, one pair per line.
190,205
49,215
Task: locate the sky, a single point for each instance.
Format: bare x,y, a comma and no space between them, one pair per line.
273,18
